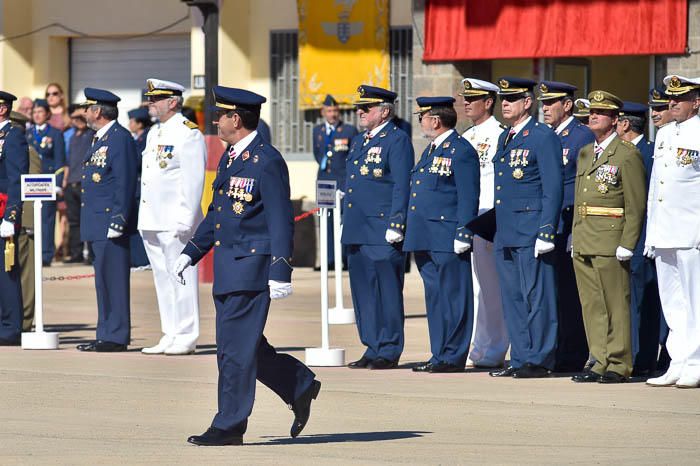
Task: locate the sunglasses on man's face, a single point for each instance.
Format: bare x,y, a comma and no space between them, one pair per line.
52,94
365,108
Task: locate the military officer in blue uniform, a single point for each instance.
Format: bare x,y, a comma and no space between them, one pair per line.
14,162
658,105
331,143
558,108
374,221
529,188
49,143
139,126
250,225
645,303
444,198
107,217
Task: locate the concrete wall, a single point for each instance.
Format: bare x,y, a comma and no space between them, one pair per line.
689,65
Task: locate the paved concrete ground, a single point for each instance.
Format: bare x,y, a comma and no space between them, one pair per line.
67,407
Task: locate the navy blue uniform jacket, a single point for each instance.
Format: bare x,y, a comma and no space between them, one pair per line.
250,221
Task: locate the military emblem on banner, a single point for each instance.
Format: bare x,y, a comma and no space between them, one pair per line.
606,176
685,157
163,154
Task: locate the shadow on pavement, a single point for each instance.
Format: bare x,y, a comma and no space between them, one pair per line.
344,437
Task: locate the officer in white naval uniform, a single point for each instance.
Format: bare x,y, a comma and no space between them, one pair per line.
172,178
490,339
673,230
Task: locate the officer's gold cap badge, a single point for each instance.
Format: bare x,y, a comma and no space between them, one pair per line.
504,84
655,94
543,88
467,85
598,96
675,83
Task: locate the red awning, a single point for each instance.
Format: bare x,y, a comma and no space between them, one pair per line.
496,29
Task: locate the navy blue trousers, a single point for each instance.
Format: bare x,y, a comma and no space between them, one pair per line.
528,291
48,231
10,297
646,317
449,302
138,257
376,284
244,355
112,286
572,346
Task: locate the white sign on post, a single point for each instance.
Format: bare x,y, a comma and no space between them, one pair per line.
38,188
325,194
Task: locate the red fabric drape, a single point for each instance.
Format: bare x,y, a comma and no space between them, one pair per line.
493,29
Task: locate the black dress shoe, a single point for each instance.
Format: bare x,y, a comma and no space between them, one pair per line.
444,367
381,363
87,346
586,376
14,342
423,367
302,408
612,377
214,437
531,371
108,347
507,372
361,363
73,260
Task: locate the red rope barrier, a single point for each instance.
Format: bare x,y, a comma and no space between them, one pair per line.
305,214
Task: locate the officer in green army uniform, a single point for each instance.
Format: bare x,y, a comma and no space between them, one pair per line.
609,207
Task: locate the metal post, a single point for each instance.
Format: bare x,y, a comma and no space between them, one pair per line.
339,314
210,13
324,279
38,291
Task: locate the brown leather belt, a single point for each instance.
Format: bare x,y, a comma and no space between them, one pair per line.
585,211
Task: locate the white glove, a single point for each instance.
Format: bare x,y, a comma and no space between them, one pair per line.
392,236
649,252
543,247
623,254
279,290
7,229
182,230
181,264
59,190
111,234
461,247
342,193
570,243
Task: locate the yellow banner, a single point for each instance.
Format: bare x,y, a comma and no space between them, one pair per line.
342,44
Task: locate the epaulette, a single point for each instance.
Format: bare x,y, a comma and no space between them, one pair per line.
628,143
502,126
190,124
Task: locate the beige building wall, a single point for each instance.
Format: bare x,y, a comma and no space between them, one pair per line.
31,62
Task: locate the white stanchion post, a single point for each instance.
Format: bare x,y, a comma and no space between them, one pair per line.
339,314
325,355
38,339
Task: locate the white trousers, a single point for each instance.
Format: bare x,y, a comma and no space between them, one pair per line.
178,304
678,272
490,338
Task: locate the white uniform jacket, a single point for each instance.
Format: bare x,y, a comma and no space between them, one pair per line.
673,205
172,177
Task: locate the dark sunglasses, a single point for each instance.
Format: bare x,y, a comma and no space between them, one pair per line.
512,98
365,107
48,94
475,98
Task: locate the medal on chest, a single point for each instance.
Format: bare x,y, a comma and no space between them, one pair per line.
240,189
163,154
518,161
